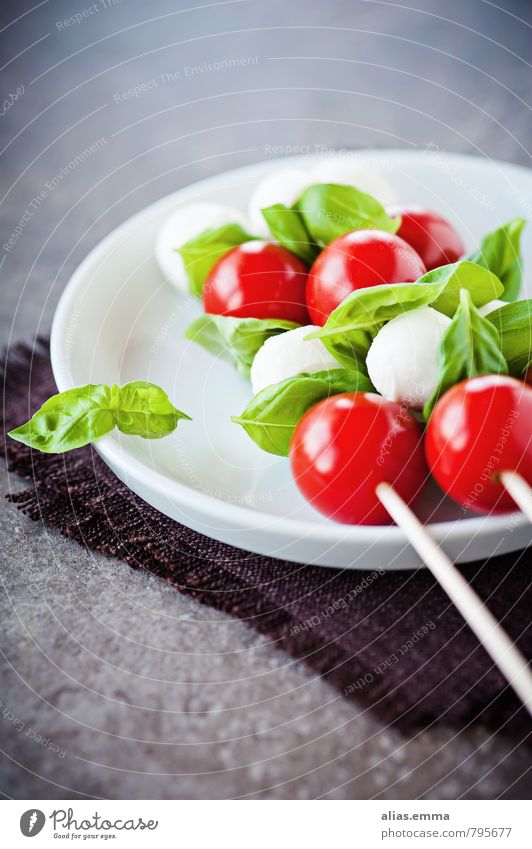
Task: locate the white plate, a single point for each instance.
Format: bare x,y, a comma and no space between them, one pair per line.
118,320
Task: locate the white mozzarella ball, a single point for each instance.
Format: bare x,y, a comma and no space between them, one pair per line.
402,360
346,171
186,223
284,186
289,354
491,307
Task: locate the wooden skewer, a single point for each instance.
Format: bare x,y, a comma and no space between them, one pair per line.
494,639
519,490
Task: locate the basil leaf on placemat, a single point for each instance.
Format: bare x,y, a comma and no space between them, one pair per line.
514,323
470,346
144,409
288,228
69,420
235,340
329,210
272,415
202,252
500,251
80,416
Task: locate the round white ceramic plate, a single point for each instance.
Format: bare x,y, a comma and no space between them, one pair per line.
119,320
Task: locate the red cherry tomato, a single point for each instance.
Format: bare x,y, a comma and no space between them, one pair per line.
432,236
479,428
257,280
355,261
346,445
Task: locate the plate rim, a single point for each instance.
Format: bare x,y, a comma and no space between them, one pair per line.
111,449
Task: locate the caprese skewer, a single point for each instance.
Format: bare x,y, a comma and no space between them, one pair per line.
342,293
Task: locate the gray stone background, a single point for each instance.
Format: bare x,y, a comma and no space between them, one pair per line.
146,693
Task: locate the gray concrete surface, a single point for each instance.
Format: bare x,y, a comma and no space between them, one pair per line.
112,684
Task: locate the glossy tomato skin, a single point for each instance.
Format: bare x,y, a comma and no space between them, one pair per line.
480,427
355,261
431,235
346,445
257,280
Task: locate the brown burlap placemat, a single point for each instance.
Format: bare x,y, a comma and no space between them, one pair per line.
389,640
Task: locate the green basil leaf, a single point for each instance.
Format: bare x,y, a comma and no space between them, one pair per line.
482,285
350,348
69,420
351,327
144,409
514,323
288,228
500,251
203,251
330,210
512,281
80,416
235,340
469,347
272,415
